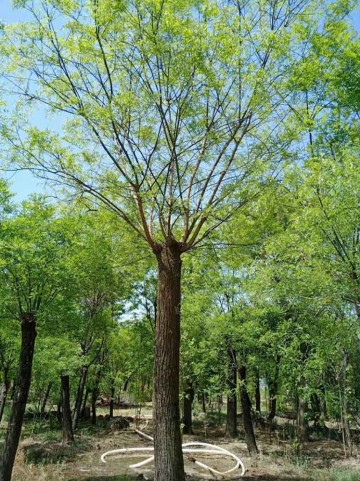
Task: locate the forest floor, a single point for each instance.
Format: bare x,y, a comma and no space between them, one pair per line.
41,456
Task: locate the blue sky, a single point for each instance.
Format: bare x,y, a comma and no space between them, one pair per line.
23,183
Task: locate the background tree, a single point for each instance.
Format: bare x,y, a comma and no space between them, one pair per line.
32,247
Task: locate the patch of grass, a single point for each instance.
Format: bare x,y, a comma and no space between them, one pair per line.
336,475
39,473
344,475
48,436
45,429
48,454
53,453
90,430
301,461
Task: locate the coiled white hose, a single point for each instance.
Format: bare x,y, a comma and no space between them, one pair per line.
188,448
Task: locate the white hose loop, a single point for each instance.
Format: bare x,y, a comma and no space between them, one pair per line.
146,436
125,450
188,448
215,450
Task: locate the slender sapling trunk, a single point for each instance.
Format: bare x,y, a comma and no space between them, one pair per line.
112,396
45,398
257,392
246,412
67,430
231,412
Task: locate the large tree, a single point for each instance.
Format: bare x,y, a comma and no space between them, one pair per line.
169,112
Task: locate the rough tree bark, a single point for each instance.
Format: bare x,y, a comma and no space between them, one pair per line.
67,430
79,396
189,395
28,336
246,413
169,465
231,412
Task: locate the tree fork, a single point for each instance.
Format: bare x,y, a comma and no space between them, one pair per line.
169,463
28,336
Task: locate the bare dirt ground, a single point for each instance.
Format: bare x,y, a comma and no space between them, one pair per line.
48,460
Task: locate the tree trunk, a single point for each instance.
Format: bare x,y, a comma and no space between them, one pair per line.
13,389
3,397
169,463
112,395
4,391
257,392
301,423
79,396
345,424
246,413
58,411
94,396
272,401
273,389
189,395
28,335
45,399
231,411
301,431
83,408
316,410
67,430
203,402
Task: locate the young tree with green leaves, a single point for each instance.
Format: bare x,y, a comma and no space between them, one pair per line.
32,246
